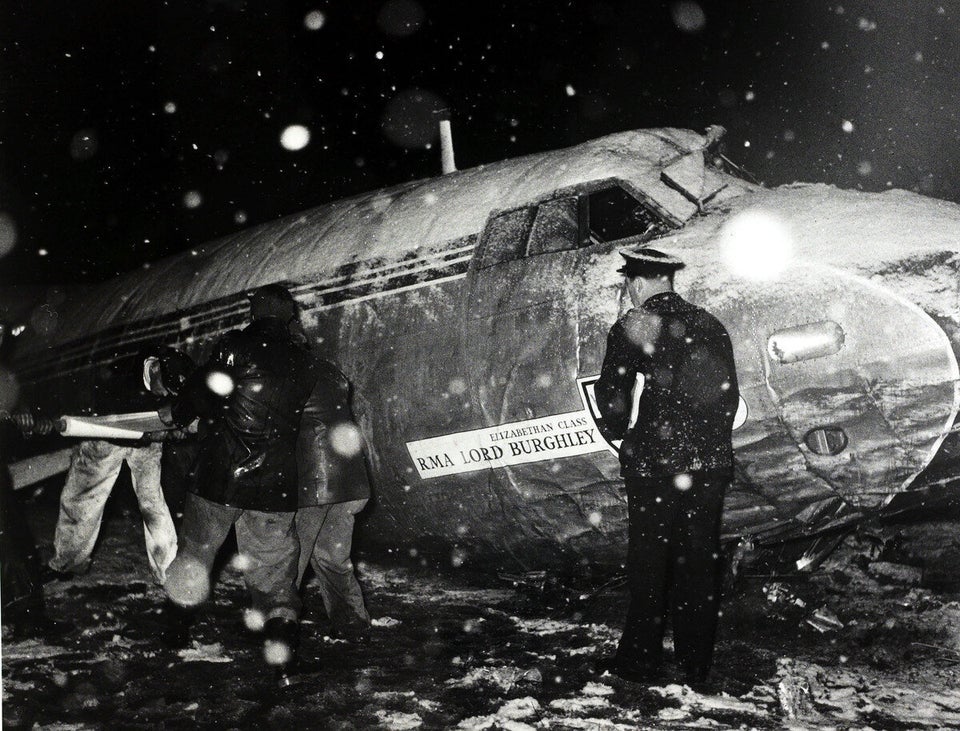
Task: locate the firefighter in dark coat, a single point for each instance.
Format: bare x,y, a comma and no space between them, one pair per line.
249,396
334,487
676,459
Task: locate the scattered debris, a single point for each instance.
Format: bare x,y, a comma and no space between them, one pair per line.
893,662
385,622
691,699
794,691
945,652
397,721
542,626
777,592
898,573
823,620
816,694
744,548
504,677
204,653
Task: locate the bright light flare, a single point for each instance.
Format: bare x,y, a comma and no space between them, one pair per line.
346,440
192,199
84,144
254,620
241,562
314,20
756,245
295,137
188,583
688,16
220,383
277,653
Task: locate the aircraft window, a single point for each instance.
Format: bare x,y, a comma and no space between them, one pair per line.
615,214
555,228
826,440
505,237
804,342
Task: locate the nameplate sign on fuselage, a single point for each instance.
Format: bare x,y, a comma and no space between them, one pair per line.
549,437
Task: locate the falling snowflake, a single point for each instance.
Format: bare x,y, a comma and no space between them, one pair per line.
220,383
314,20
84,145
346,440
187,582
254,620
295,137
688,16
192,199
276,652
756,245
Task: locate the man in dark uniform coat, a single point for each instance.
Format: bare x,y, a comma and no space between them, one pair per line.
249,396
334,487
676,459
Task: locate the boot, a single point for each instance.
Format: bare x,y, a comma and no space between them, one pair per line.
176,625
281,639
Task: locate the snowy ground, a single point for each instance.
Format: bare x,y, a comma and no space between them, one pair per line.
858,644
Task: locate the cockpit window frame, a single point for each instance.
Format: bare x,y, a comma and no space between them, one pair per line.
483,258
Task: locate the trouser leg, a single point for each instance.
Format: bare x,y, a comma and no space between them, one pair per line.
93,471
205,527
339,588
21,586
176,463
650,507
269,541
697,573
159,533
308,522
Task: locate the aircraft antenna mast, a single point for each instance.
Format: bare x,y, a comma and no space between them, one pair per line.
447,162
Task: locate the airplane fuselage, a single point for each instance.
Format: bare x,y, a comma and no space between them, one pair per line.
471,312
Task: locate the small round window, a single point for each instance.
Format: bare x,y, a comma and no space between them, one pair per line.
826,440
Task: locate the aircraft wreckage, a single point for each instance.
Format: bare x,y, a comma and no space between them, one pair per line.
471,310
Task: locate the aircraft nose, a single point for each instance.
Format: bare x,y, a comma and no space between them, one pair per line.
850,388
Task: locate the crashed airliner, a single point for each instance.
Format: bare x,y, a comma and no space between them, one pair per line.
470,311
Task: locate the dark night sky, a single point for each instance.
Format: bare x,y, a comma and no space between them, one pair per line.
132,130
